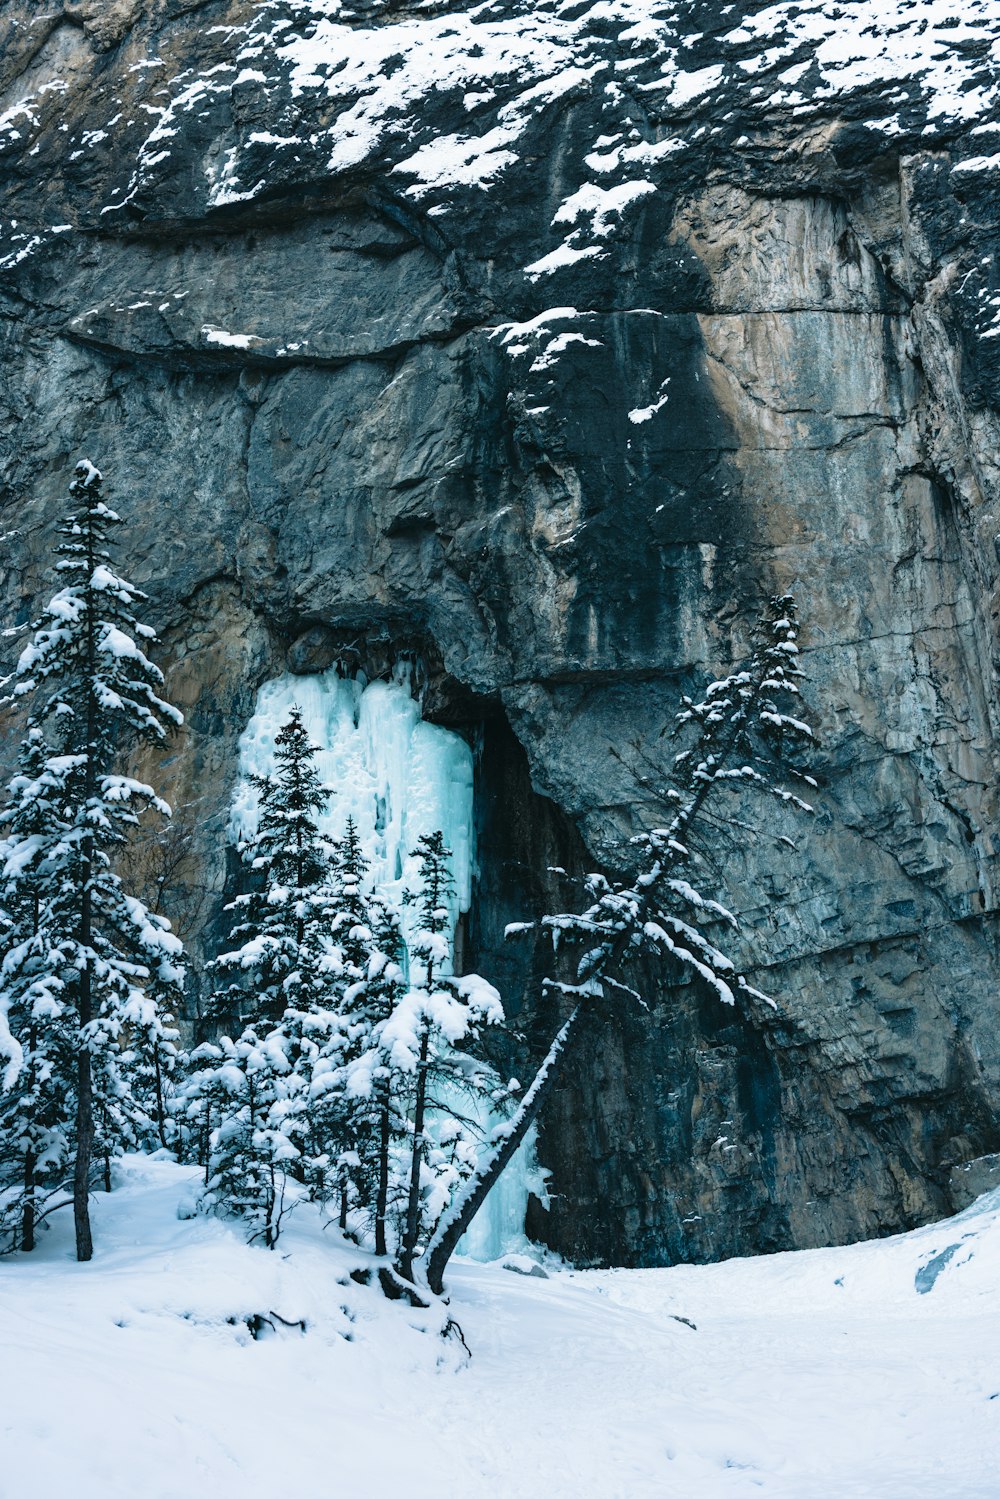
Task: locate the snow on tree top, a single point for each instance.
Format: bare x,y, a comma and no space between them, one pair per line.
87,474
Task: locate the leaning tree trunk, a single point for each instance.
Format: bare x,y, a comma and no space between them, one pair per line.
459,1215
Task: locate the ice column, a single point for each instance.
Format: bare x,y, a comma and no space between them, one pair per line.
399,777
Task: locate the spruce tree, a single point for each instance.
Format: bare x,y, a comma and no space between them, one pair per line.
92,693
152,1056
424,1030
38,1034
354,1083
252,1087
376,1076
345,1115
242,1086
330,1024
288,862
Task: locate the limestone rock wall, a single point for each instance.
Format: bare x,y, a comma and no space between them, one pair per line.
546,342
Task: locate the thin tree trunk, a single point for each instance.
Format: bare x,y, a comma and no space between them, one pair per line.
412,1230
84,1142
107,1172
382,1195
458,1216
161,1127
28,1213
84,1102
30,1158
270,1230
85,1075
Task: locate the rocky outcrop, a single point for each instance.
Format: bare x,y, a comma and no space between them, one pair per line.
971,1179
544,341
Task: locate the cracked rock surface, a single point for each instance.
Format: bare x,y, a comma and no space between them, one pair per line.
545,341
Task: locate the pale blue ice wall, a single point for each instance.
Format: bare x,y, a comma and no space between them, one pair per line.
398,776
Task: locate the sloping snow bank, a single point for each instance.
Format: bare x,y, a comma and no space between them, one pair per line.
870,1370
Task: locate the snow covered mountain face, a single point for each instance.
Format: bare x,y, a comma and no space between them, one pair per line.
542,342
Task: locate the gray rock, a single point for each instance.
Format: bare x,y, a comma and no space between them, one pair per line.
971,1179
314,650
544,348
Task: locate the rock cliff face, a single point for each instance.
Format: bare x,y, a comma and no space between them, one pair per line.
544,341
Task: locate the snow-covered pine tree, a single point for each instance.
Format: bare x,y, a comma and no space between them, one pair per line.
253,1090
247,1085
355,1094
742,735
375,1076
331,1035
423,1033
38,1027
288,863
152,1056
336,1119
92,692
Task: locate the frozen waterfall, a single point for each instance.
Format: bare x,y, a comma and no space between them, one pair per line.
399,777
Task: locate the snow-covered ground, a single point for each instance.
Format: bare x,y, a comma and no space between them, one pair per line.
871,1370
